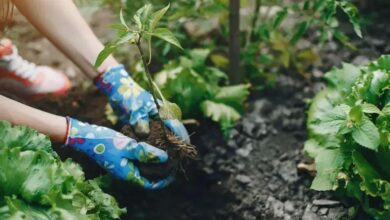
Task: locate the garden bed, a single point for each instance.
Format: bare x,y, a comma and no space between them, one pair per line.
253,174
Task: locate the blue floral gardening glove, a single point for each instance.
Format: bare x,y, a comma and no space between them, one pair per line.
132,103
115,152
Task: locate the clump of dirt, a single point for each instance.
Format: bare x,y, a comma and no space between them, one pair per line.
178,151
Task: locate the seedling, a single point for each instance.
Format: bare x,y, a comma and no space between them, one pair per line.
142,28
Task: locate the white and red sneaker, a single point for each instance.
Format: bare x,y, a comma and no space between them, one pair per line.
21,77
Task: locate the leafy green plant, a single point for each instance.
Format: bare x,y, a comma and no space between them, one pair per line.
271,47
36,184
202,90
349,130
143,26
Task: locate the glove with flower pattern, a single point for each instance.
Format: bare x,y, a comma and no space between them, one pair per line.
131,103
115,152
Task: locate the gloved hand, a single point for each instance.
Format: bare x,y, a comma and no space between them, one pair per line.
132,103
115,152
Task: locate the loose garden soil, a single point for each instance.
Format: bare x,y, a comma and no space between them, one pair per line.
252,174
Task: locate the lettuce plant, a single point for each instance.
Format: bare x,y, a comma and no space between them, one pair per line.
36,184
349,130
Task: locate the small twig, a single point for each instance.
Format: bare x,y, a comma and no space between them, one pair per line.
150,80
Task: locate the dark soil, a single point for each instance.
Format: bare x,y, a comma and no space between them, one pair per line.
177,150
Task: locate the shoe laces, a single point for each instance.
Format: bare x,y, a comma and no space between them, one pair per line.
21,67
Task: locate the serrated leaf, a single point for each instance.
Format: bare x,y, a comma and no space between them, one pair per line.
166,35
225,115
366,134
156,17
233,96
367,173
36,184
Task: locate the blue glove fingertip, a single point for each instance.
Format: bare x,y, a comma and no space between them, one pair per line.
178,129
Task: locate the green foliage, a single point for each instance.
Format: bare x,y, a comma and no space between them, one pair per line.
349,131
269,46
201,90
142,26
36,184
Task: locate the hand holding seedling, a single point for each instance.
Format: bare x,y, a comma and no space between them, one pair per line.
130,102
116,152
133,104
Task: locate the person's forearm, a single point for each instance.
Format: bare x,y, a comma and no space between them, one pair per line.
61,22
19,114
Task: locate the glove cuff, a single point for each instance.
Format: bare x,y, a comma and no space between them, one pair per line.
103,80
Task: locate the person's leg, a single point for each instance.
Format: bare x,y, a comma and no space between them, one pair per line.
61,22
18,114
21,77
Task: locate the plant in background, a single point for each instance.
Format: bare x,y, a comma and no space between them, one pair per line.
270,46
202,90
270,34
349,130
36,184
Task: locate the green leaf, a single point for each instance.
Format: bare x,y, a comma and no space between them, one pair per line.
343,78
332,121
370,109
356,114
382,63
300,31
328,165
110,47
169,110
142,17
166,35
107,50
366,134
23,137
344,39
120,29
233,96
367,173
122,19
279,17
352,13
187,89
156,17
225,115
128,38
